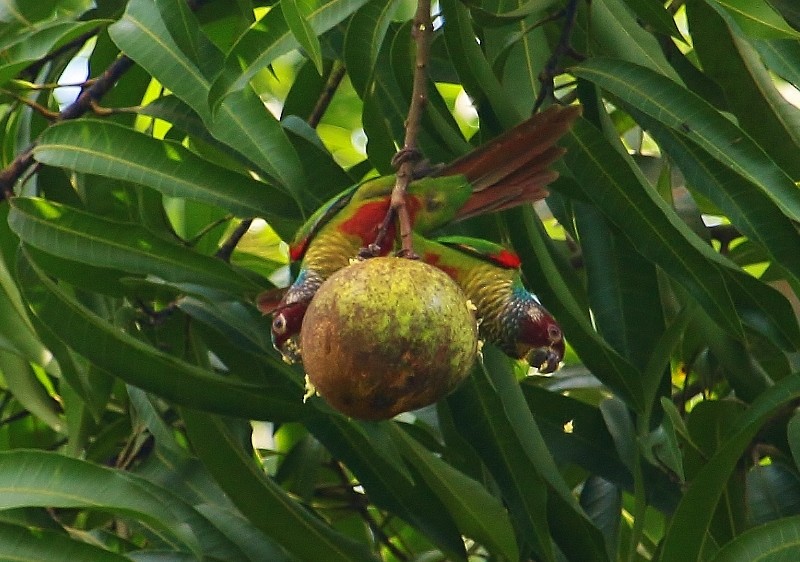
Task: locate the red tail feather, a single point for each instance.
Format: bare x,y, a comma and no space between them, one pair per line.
515,164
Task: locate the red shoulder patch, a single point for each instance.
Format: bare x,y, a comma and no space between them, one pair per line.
296,251
506,258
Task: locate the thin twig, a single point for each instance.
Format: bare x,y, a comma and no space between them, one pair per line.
94,90
359,505
406,159
84,103
562,48
40,109
325,98
226,250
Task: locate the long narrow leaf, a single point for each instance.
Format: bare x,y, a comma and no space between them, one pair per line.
477,513
141,365
687,114
269,38
688,530
254,133
657,233
613,369
31,545
491,413
95,240
264,502
40,478
93,147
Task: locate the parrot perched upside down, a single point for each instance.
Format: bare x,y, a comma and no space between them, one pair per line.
512,318
511,170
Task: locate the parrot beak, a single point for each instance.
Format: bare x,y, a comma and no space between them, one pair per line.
547,359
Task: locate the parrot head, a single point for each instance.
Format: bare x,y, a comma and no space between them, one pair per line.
540,340
286,324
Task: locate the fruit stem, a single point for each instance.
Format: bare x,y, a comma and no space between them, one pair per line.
408,157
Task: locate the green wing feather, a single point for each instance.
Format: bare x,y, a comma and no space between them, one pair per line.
490,252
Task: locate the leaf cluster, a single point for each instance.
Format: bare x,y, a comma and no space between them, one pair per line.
143,412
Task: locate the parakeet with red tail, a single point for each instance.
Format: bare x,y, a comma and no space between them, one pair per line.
511,170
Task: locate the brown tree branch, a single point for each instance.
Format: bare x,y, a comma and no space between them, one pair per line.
408,156
562,48
88,99
325,98
85,102
226,250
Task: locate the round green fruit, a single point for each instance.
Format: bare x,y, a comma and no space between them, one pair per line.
387,335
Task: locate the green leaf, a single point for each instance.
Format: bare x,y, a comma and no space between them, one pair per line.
756,19
364,39
655,15
603,504
773,542
22,382
97,241
789,10
659,234
297,13
793,435
748,208
599,357
589,444
490,411
478,514
370,453
495,17
264,502
688,529
750,91
20,50
781,56
30,545
677,108
269,38
93,147
622,286
16,332
615,32
493,102
185,31
242,122
773,492
40,478
139,364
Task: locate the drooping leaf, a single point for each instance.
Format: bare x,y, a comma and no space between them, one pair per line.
93,147
97,241
688,115
657,233
261,499
478,514
688,530
269,38
21,543
142,365
756,19
297,13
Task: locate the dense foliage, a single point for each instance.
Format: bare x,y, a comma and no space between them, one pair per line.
144,414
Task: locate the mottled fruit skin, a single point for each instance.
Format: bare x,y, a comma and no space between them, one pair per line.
387,335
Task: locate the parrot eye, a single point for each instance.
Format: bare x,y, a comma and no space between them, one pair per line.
554,332
279,324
